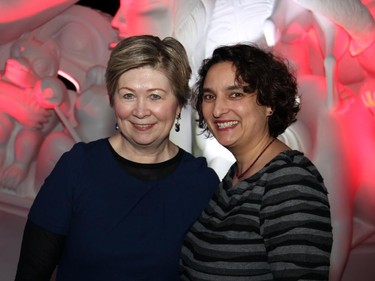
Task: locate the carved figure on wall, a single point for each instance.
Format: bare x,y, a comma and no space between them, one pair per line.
30,62
136,17
82,37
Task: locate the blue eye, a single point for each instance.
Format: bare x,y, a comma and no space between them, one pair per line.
155,97
128,96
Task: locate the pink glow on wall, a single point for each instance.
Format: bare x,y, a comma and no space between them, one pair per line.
334,60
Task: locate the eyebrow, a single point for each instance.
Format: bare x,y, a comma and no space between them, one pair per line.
148,90
229,88
234,87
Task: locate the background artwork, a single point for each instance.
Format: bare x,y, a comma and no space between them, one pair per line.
52,89
53,94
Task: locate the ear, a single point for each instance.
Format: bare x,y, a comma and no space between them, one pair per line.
269,111
178,110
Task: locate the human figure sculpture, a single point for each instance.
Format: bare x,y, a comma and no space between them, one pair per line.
82,36
18,18
136,17
31,61
17,109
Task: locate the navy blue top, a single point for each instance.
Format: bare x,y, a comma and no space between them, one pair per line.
117,226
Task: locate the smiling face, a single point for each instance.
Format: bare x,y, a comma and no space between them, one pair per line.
232,115
145,107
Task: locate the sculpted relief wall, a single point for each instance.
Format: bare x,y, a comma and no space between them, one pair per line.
52,92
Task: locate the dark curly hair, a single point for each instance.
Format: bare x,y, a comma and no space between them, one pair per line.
267,75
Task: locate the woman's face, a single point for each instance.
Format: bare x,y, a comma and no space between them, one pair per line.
138,17
145,107
233,116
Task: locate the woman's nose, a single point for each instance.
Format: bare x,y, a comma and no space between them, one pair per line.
219,108
141,109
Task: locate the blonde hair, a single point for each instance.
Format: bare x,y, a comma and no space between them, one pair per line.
167,55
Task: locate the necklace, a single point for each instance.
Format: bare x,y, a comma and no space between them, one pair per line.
239,176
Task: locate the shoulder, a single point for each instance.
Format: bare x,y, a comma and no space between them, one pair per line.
294,185
292,170
196,168
81,156
196,183
90,146
81,149
194,162
294,162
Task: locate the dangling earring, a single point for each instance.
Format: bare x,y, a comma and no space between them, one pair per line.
116,127
177,124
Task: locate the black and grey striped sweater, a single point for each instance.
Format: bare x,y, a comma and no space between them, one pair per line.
274,225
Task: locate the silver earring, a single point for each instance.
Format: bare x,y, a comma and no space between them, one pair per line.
116,127
177,124
270,113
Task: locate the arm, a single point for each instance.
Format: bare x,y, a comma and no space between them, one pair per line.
40,253
296,226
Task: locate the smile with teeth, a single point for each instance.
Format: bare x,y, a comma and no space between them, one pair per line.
224,125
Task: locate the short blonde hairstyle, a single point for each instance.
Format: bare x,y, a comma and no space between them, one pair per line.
167,55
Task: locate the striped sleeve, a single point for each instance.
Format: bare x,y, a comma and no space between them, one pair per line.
295,223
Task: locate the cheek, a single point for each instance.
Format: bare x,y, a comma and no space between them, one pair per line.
206,110
121,111
166,114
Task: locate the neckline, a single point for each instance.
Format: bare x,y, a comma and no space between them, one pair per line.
148,171
232,170
240,176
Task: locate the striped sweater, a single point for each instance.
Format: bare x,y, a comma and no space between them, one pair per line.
275,225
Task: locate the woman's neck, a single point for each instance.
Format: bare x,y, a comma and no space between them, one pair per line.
252,158
146,154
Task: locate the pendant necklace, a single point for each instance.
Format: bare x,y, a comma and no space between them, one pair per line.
239,176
